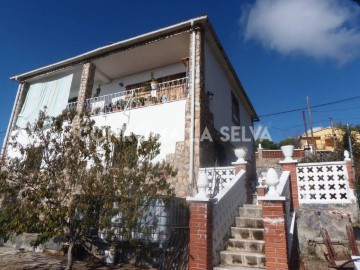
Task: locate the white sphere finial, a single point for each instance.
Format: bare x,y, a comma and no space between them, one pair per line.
272,180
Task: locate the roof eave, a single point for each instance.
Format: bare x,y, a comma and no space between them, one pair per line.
109,48
118,45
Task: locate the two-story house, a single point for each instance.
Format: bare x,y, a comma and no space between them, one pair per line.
176,81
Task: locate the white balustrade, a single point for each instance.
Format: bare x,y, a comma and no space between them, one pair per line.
71,106
325,182
138,97
217,179
226,208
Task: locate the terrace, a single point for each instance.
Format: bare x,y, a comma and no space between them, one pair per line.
142,96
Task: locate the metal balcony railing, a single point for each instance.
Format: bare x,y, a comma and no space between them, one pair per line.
135,98
71,106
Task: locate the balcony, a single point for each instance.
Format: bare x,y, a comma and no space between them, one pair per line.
143,96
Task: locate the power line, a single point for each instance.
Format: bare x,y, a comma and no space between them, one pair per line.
315,106
296,127
338,110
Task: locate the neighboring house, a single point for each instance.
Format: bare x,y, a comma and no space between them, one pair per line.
196,90
324,138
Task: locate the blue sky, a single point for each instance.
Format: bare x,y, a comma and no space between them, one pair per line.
282,50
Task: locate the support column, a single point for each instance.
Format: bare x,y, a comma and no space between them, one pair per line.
192,109
240,166
275,234
291,167
86,85
201,234
201,227
19,102
350,170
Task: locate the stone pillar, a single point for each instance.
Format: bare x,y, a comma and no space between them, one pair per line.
260,155
291,167
275,233
198,84
19,102
240,166
260,190
201,234
86,85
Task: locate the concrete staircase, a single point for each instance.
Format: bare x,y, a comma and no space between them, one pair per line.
246,249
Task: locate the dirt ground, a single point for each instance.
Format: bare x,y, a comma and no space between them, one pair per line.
11,259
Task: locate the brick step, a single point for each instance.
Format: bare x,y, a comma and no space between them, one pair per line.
247,222
242,258
247,233
236,267
256,246
253,212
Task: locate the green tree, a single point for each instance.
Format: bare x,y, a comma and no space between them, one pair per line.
342,144
267,144
66,180
290,141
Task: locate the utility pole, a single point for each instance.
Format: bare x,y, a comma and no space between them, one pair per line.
306,129
350,143
333,131
311,125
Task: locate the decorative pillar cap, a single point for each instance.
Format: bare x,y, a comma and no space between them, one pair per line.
288,151
239,163
294,161
240,153
202,184
347,156
272,180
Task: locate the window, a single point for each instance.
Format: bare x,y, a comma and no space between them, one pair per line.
235,110
329,142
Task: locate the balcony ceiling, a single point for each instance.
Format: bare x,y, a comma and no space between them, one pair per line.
146,57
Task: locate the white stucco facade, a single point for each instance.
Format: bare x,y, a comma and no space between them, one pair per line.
217,81
167,120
